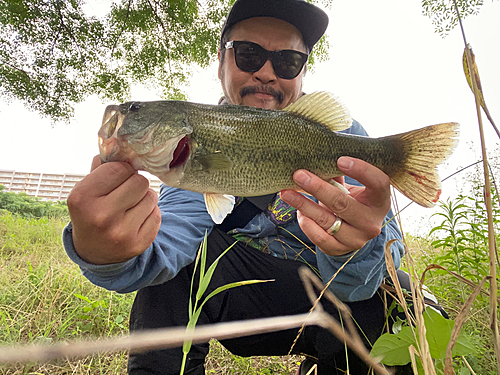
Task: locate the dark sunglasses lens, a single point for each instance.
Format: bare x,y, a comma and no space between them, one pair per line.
250,57
288,64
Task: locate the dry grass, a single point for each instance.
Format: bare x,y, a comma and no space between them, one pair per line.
38,303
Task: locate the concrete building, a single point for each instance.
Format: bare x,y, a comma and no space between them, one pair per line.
47,186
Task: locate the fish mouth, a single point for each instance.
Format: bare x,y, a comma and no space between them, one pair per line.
109,144
181,153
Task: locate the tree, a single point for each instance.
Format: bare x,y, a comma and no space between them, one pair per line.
53,55
443,13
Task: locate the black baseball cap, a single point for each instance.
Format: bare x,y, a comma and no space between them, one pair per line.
310,20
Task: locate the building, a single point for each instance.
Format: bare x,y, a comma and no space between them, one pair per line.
47,186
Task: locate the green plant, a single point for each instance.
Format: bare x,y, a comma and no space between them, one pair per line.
31,207
460,245
205,278
394,348
464,245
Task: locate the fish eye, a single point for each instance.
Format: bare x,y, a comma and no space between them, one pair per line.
134,107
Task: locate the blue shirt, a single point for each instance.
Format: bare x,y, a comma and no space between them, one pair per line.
275,231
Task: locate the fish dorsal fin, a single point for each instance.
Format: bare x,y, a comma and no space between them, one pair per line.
322,107
218,206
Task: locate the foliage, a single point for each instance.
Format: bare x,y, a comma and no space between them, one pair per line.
26,206
460,244
393,348
205,277
54,55
444,14
44,298
464,231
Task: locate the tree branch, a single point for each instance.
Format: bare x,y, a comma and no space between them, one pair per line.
123,27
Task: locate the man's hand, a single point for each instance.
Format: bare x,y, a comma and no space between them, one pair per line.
362,211
114,213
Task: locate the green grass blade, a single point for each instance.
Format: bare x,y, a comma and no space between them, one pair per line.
203,250
208,276
197,260
230,286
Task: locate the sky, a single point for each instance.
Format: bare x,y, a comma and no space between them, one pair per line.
386,63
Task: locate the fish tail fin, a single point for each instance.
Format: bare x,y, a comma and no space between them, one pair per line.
424,149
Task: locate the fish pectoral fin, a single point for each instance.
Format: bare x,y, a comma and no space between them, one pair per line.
214,162
219,206
322,107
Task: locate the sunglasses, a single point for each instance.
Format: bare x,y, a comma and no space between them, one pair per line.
251,57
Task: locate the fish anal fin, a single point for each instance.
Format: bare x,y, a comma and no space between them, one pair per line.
219,206
322,107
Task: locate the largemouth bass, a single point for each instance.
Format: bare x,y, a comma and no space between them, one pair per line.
229,150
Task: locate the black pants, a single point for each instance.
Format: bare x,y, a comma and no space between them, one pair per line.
166,305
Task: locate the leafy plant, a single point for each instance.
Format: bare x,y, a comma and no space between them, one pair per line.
205,277
464,244
31,207
443,14
55,54
394,348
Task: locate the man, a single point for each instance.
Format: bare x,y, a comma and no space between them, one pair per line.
125,239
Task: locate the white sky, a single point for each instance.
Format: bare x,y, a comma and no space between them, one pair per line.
386,63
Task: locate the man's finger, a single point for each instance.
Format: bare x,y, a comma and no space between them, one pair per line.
335,199
377,184
96,161
101,181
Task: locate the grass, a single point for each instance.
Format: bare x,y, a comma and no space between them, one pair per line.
44,298
451,293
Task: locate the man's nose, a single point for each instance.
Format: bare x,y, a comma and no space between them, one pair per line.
266,74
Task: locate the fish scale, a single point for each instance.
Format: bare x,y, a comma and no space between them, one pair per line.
246,151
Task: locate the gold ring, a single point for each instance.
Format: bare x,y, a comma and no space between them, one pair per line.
335,227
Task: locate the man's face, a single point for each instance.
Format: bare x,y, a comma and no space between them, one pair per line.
263,88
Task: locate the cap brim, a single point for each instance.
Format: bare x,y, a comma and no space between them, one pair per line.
310,20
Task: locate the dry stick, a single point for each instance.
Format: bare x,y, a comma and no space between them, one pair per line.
468,366
459,321
423,350
323,288
487,193
491,229
351,338
413,351
160,338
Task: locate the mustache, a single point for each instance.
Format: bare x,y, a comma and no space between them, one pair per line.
278,95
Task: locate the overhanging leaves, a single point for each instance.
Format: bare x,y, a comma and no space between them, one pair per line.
54,55
444,15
